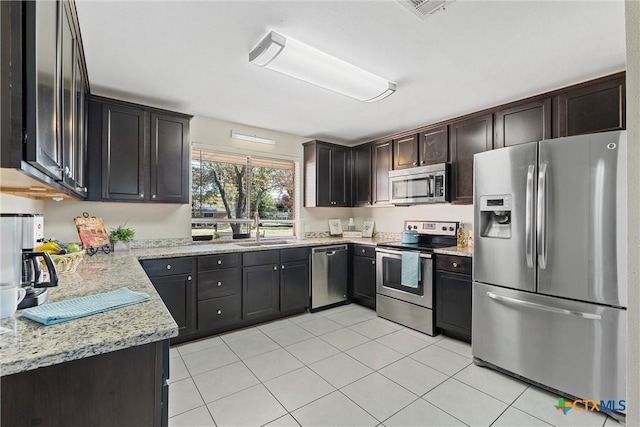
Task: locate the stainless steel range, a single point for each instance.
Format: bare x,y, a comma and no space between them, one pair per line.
404,275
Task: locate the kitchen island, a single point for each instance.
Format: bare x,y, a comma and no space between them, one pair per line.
105,369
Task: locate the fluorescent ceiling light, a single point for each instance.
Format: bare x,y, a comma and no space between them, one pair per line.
252,138
295,59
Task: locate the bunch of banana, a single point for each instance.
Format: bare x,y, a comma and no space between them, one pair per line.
52,248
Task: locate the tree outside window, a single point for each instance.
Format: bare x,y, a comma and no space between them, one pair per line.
228,186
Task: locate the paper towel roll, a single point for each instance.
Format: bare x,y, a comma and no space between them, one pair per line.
301,232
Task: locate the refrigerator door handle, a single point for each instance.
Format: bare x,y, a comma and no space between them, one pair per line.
541,218
529,216
517,302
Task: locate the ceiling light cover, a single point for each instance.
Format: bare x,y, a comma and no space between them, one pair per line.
295,59
252,138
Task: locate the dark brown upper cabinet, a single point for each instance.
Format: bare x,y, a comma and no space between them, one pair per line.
595,107
137,153
327,175
468,137
526,122
405,152
381,164
434,146
361,157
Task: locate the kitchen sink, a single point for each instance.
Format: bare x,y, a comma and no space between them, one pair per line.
263,243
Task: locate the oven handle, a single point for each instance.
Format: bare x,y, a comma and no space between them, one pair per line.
399,253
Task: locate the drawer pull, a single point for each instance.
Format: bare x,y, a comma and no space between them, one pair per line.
455,264
275,267
282,266
219,283
219,312
189,278
219,262
168,266
373,261
364,251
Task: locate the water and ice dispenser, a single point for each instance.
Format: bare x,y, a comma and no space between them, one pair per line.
495,216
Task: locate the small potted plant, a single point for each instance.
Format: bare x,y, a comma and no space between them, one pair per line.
121,238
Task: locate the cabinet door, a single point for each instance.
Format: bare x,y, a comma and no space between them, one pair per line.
124,140
434,146
67,123
177,293
169,159
294,286
523,123
362,175
324,158
468,137
364,281
260,291
80,129
42,94
382,164
596,108
405,152
453,302
341,177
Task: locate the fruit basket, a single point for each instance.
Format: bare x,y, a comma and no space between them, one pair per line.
67,263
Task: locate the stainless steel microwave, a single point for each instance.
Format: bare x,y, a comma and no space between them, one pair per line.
424,184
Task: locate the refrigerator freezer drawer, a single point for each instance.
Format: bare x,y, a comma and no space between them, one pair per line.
574,347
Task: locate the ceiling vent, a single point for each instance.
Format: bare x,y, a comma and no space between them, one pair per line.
424,8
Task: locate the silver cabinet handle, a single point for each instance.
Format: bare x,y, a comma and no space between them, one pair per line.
219,262
153,196
142,195
373,262
219,284
556,310
84,189
275,267
542,217
455,264
364,250
189,278
282,266
415,163
168,266
67,171
219,312
528,217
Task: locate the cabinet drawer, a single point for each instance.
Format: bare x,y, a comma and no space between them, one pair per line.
456,264
217,262
167,266
364,250
294,254
216,312
260,258
219,283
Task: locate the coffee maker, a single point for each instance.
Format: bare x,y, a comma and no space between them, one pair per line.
21,234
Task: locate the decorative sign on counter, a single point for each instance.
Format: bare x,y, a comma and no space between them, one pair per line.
92,234
367,229
335,227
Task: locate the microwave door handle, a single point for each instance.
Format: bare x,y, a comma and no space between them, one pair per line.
529,214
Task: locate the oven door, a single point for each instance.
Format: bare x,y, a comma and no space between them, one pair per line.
389,273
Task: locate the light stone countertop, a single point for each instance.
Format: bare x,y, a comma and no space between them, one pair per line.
30,345
453,250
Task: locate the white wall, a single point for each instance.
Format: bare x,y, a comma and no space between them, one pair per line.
632,12
15,204
392,218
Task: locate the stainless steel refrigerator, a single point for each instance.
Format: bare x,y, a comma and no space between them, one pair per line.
549,265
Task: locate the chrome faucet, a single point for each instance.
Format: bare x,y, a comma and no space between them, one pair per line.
256,219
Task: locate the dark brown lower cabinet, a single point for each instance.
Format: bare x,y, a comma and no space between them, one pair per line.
260,291
120,388
364,276
173,280
453,296
294,286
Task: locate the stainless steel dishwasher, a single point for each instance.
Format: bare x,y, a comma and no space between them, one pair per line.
328,275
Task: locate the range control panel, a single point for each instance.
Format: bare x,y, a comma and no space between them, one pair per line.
439,228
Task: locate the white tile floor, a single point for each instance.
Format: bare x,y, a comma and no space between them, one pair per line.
347,367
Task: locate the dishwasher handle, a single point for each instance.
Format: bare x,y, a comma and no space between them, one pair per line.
329,250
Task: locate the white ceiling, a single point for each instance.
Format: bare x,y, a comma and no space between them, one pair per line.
192,56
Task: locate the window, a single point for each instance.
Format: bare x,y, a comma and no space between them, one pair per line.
227,187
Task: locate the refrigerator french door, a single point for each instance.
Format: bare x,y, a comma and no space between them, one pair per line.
549,270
